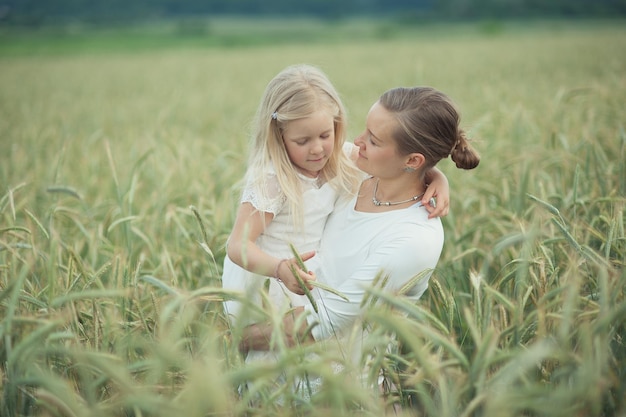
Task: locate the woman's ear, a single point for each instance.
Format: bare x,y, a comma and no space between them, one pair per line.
415,161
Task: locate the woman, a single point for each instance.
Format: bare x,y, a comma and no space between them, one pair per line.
385,228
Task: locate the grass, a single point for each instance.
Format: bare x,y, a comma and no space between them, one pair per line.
120,177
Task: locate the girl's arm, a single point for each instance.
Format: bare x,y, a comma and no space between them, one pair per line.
439,189
243,251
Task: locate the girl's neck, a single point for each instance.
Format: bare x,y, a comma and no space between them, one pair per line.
309,174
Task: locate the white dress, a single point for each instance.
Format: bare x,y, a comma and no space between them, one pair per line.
319,201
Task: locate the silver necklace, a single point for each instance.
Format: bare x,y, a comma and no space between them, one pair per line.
389,203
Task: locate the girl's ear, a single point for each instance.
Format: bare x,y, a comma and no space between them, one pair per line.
415,161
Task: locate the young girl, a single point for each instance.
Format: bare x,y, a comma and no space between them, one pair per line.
298,168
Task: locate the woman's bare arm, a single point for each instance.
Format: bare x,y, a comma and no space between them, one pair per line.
258,336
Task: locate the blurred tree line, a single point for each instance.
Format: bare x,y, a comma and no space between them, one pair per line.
40,12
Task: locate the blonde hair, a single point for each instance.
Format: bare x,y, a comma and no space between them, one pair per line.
428,123
295,93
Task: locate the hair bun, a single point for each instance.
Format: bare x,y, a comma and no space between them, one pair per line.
463,155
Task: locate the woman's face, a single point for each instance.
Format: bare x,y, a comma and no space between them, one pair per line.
378,154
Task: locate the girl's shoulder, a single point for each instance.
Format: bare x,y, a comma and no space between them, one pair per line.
264,192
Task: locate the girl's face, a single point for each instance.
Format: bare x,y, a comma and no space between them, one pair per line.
310,142
378,155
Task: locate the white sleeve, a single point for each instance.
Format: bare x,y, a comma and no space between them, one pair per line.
401,255
266,197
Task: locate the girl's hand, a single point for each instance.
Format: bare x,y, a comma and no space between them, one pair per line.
285,274
436,198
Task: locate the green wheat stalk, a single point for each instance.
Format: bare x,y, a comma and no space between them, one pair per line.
304,288
329,289
43,229
297,276
62,189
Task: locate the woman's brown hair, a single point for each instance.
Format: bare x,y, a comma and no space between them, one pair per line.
428,123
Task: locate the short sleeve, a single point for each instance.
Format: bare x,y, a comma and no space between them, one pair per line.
265,196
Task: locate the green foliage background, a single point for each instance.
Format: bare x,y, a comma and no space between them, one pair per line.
120,168
35,14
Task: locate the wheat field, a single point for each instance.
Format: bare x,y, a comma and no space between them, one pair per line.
120,175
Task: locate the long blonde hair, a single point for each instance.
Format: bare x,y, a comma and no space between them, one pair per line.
295,93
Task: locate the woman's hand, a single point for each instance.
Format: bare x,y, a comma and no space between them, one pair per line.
438,192
257,336
284,273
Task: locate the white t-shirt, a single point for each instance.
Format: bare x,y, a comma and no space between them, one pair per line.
356,246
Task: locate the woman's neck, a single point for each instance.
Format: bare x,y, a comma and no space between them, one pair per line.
380,195
397,189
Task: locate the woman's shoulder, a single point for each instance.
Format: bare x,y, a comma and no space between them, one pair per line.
411,224
411,237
